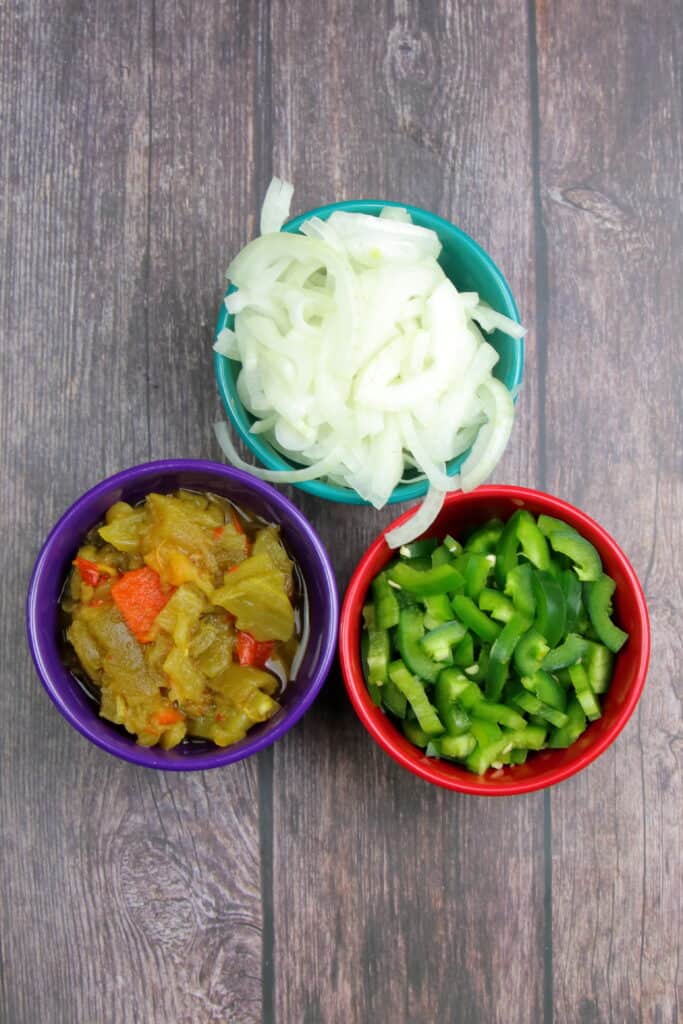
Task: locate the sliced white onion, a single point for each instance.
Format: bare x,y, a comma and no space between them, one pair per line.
276,205
360,360
418,523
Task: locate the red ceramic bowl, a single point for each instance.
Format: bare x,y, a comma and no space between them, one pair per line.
461,513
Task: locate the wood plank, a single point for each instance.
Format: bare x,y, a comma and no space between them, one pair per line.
394,900
610,87
125,895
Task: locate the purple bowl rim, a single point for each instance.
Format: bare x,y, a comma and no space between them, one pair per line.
146,756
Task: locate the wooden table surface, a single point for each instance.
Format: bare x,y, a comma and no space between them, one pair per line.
319,882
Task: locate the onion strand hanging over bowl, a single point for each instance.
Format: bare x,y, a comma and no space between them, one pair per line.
360,360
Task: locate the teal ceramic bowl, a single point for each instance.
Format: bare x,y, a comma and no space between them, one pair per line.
466,264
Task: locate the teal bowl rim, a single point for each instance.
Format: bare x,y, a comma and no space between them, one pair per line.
224,368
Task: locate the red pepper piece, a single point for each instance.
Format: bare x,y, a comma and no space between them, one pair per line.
89,572
253,652
139,596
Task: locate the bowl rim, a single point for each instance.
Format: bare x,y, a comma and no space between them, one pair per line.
46,655
272,459
380,727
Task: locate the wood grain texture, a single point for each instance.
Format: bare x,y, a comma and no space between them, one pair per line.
611,196
125,895
400,900
320,882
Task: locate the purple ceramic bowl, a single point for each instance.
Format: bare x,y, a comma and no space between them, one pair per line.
132,485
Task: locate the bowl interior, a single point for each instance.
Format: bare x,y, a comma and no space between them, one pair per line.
465,263
461,513
53,565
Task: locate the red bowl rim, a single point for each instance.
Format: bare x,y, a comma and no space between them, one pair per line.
380,727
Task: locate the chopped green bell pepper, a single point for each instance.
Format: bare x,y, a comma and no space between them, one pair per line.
409,633
441,579
569,733
533,543
506,549
496,604
437,644
483,540
414,692
437,610
475,620
571,650
586,560
386,605
599,664
501,653
419,548
530,651
584,691
599,601
415,734
518,586
463,654
550,607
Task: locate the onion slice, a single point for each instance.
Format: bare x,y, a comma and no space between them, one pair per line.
360,361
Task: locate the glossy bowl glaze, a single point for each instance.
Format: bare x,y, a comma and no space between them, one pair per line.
462,512
132,485
465,263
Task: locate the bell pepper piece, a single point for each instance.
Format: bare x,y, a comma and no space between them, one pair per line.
393,700
255,652
453,715
530,738
463,654
454,546
419,548
599,664
499,713
415,734
533,543
571,730
386,604
506,549
533,706
378,656
441,556
92,573
455,686
139,596
414,692
475,620
517,756
501,653
438,642
571,650
490,743
477,572
584,692
455,748
409,633
519,588
437,610
441,579
529,653
484,539
584,556
546,688
497,605
550,607
599,601
571,587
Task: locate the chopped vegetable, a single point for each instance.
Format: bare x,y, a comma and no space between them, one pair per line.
415,389
146,633
140,596
480,650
